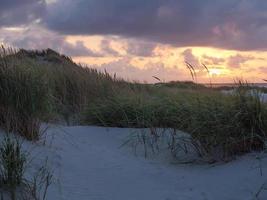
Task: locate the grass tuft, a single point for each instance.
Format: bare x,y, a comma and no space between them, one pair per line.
220,125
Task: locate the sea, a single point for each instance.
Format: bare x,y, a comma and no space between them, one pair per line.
215,85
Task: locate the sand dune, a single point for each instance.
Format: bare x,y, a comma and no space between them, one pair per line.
89,165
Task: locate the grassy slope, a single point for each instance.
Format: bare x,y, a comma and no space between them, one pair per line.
44,85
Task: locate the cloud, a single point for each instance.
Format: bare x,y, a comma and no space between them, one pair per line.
129,47
263,70
107,49
237,60
19,12
36,37
229,24
124,68
190,58
77,49
213,60
140,48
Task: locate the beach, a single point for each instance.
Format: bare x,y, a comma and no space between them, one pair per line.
89,163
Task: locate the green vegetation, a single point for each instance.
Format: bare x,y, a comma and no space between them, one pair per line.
235,123
13,165
45,86
38,86
13,162
182,85
24,97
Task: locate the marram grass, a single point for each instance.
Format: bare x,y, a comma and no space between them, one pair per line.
231,124
44,86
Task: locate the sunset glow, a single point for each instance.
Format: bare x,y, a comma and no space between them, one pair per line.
133,99
140,49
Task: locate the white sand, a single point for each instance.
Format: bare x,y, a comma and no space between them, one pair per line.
264,97
89,166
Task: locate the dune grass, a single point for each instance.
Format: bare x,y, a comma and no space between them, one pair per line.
12,162
226,124
44,86
24,97
40,86
14,182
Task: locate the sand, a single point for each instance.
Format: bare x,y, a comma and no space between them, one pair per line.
89,164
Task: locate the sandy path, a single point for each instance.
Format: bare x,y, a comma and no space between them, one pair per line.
90,166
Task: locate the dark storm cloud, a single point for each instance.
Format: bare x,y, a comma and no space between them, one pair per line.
231,24
18,12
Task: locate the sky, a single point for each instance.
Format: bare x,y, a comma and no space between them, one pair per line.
139,39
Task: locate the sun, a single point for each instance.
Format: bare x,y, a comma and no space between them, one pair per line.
215,71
